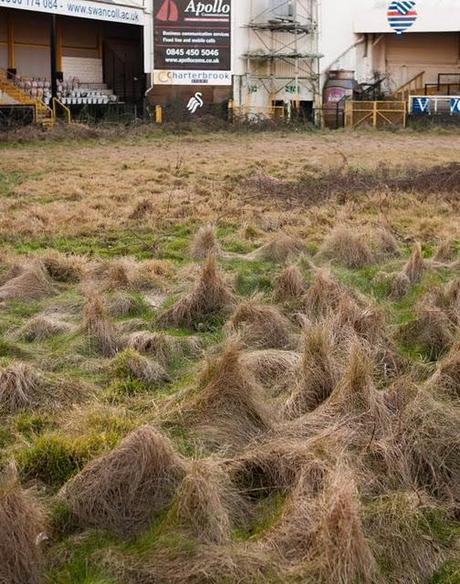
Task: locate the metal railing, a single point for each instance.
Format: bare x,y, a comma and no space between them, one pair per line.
58,104
416,83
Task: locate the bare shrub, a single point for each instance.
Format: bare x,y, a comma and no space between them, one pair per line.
204,243
31,283
347,248
261,326
209,298
40,328
290,285
123,490
98,327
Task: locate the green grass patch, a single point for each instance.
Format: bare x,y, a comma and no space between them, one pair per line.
8,182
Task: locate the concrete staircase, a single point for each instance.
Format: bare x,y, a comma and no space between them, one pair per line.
43,115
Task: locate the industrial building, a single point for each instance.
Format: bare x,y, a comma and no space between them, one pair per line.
264,57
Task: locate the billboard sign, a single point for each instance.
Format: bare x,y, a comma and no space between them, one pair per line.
193,42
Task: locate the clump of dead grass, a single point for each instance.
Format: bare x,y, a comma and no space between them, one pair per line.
347,248
446,380
43,327
290,285
21,386
132,364
207,505
410,275
273,369
261,326
64,267
231,404
123,490
279,249
401,536
446,251
319,370
387,243
339,545
323,295
204,243
432,330
427,434
21,522
99,328
31,283
210,298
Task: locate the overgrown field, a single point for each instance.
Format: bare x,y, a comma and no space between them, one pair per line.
230,358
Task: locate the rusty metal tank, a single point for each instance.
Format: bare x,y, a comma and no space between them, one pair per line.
340,84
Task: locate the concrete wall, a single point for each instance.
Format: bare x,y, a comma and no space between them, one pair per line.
433,15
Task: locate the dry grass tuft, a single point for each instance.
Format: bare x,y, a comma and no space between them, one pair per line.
21,386
62,267
31,283
142,209
98,327
210,298
432,330
41,328
21,522
290,285
261,326
231,405
401,538
323,295
319,370
198,564
204,243
137,366
400,286
122,491
274,370
446,380
387,243
279,249
339,544
415,266
207,505
427,433
446,252
410,275
347,248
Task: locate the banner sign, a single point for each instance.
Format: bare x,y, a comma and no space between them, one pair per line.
193,42
439,104
81,9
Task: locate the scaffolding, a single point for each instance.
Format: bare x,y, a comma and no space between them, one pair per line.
282,56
